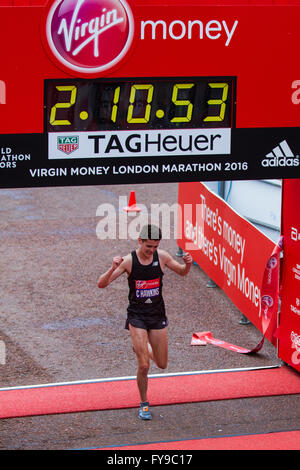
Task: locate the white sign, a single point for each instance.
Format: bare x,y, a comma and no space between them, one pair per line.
139,143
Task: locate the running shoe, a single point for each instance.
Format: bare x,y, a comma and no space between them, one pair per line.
144,412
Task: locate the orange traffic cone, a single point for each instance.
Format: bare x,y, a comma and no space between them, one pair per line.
132,207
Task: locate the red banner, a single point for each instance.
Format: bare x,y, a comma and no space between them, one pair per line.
269,308
289,335
233,253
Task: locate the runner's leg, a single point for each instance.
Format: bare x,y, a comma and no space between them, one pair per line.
139,339
159,343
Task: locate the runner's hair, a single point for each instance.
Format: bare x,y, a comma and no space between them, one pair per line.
150,232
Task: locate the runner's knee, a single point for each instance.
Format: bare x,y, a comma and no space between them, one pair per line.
162,364
144,368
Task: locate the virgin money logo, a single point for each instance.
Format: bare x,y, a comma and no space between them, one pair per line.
89,36
141,284
147,284
272,263
267,301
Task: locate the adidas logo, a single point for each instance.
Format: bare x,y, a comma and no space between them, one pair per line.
281,155
148,301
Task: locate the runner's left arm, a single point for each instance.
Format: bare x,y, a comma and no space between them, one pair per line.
178,268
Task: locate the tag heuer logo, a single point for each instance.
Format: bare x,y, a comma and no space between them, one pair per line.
68,144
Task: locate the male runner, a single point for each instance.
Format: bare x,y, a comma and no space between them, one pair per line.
146,316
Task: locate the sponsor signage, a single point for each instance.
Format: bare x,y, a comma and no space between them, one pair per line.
289,338
233,253
89,36
124,143
129,92
67,144
147,289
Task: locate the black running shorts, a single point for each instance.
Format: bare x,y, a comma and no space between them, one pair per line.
146,322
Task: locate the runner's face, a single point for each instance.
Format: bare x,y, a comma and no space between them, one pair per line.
148,247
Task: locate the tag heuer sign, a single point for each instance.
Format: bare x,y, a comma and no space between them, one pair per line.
68,144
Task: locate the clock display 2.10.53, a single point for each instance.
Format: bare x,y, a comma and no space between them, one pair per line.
139,103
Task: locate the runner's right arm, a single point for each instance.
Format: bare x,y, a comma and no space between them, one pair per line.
118,267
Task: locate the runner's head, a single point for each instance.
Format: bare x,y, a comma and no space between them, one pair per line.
149,239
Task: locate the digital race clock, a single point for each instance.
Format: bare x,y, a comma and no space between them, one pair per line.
137,117
154,103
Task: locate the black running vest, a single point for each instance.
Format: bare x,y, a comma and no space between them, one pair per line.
145,287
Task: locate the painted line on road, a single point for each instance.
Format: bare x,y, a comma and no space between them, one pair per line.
153,376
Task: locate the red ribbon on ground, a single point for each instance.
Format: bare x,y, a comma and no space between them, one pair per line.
204,337
268,308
